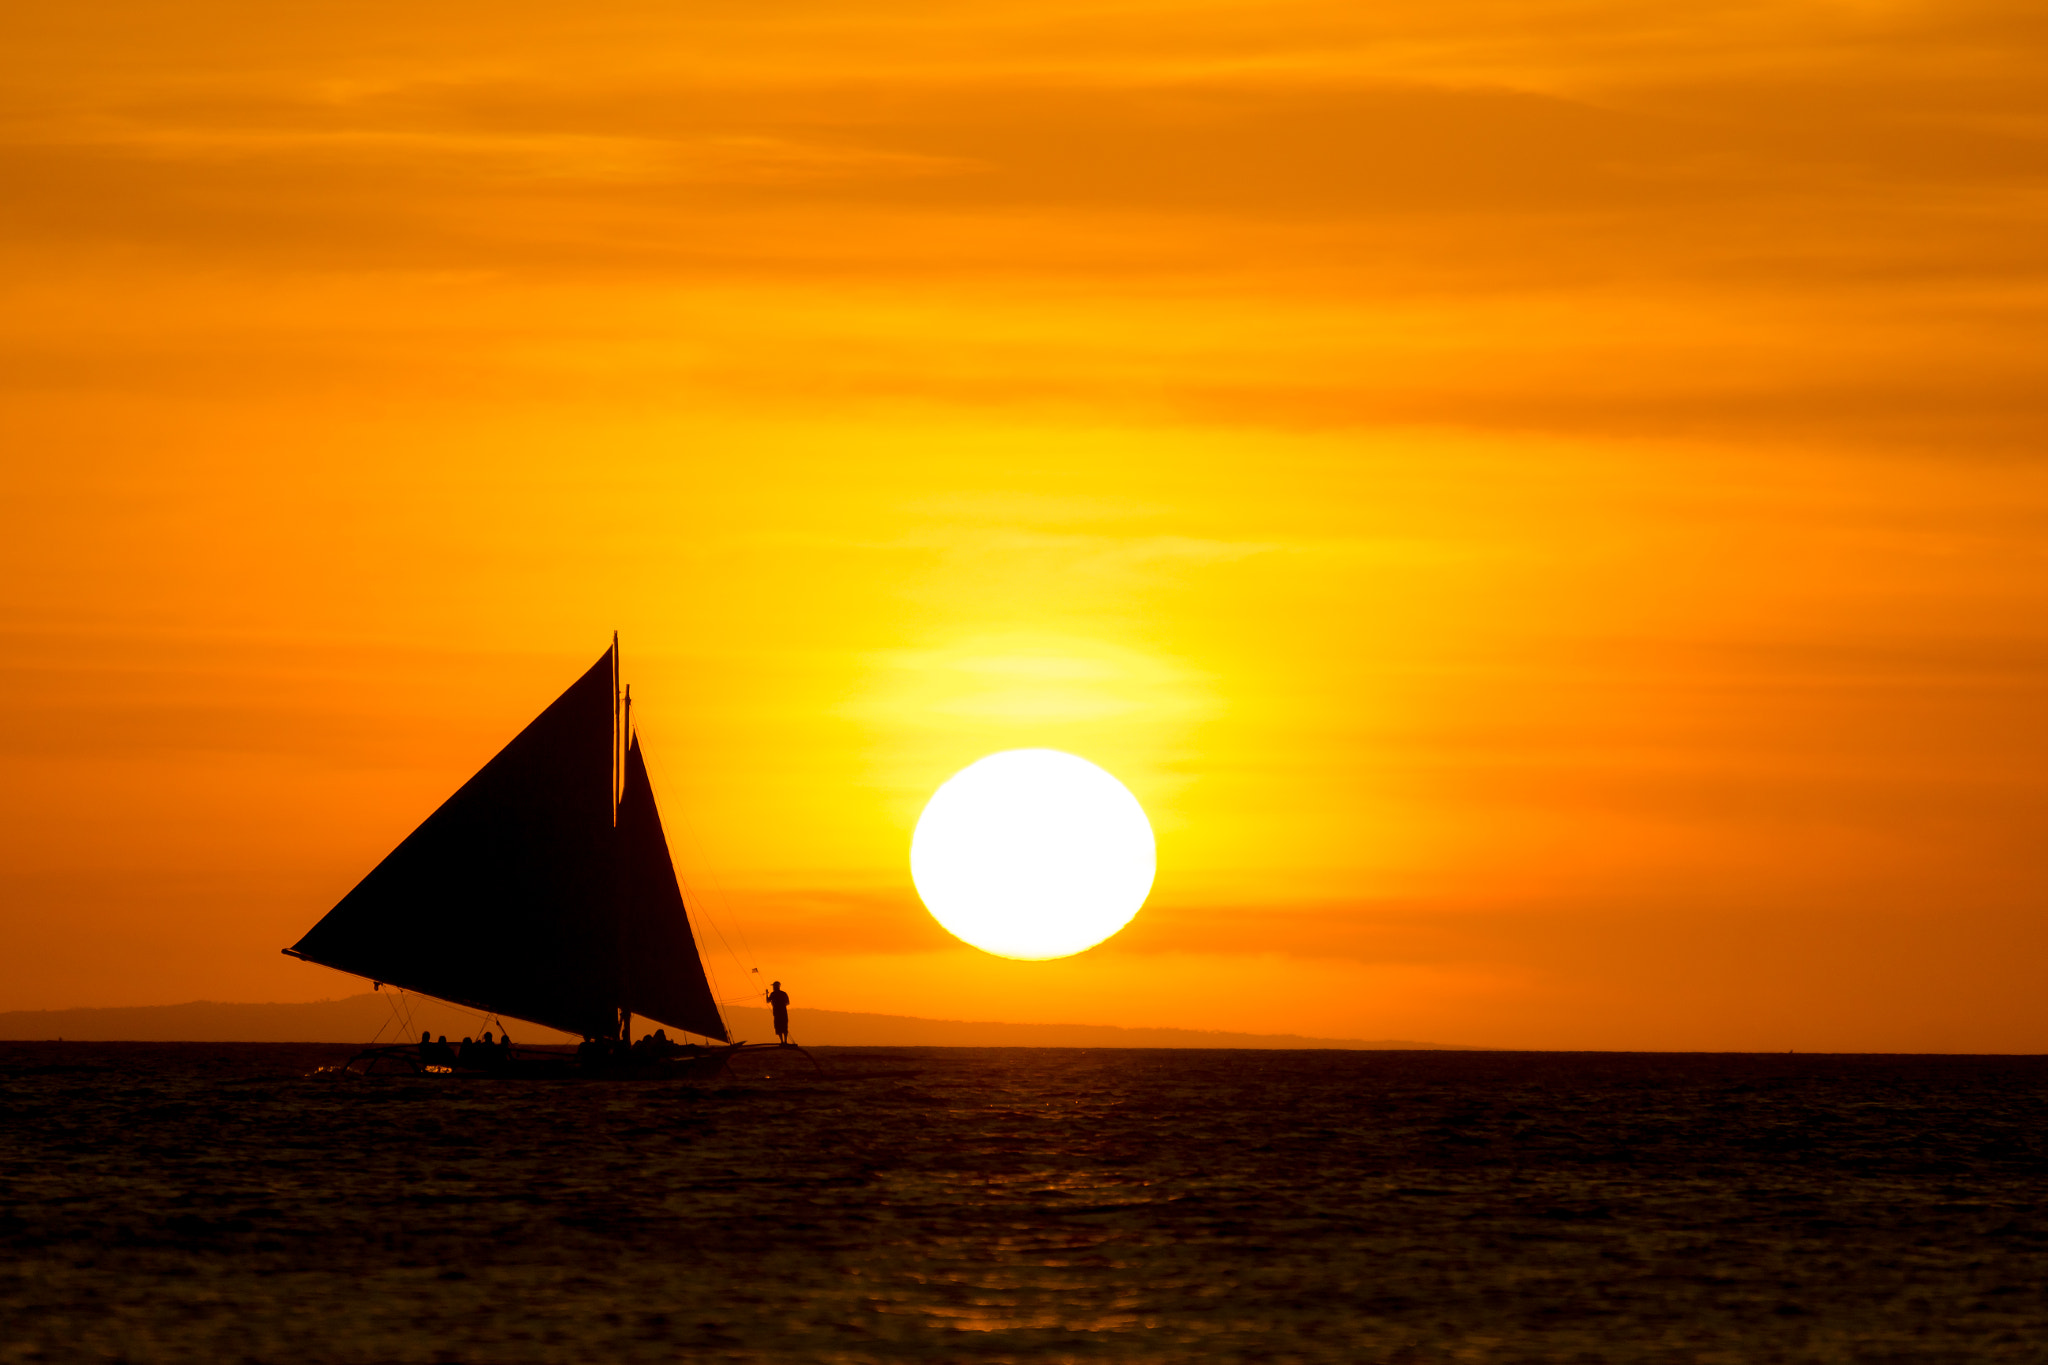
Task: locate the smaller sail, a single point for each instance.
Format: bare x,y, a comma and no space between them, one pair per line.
662,973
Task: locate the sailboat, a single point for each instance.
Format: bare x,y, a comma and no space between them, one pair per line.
542,891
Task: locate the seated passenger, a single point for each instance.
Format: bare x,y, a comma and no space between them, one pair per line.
466,1054
443,1054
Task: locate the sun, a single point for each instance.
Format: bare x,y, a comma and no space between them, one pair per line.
1032,853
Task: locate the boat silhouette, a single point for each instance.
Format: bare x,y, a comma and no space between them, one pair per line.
541,891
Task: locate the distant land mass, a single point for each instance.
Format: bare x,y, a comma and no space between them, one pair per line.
389,1017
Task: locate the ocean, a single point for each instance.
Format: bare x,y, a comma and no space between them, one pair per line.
220,1202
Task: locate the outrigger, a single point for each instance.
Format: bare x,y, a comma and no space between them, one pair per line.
687,1062
542,890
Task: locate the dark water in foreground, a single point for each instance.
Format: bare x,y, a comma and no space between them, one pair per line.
207,1202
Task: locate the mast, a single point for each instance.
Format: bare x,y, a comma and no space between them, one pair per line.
622,737
618,743
619,708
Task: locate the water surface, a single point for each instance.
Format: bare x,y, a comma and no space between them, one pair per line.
214,1202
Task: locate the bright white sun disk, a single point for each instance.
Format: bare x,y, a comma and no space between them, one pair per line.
1033,853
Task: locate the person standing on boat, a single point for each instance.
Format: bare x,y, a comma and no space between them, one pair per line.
778,1000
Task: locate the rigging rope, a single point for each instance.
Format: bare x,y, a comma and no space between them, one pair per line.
391,1000
719,898
724,903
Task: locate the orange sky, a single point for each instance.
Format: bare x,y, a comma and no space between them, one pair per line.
1544,504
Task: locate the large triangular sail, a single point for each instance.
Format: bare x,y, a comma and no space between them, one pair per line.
502,899
663,971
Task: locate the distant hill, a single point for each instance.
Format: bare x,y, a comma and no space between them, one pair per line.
377,1016
373,1015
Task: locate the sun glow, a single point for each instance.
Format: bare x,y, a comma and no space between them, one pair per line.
1032,853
